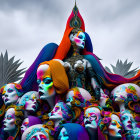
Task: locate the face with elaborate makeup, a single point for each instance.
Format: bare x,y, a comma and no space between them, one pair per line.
79,39
9,120
10,95
63,134
92,116
119,94
39,136
59,112
115,126
46,87
25,125
31,103
127,120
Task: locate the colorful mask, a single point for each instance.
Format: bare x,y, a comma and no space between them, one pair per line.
36,132
127,120
63,134
115,126
92,116
29,101
10,95
60,112
79,39
9,120
46,87
25,125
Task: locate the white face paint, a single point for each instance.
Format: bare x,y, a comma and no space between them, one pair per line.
56,113
10,96
120,94
92,116
115,126
63,134
31,103
9,120
46,87
39,136
79,39
25,125
69,97
127,120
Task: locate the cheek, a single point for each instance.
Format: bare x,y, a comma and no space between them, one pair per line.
76,40
50,89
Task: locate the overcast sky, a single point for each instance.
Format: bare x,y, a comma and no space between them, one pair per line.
113,25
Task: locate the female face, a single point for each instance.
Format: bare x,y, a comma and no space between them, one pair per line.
10,96
39,136
115,126
9,120
25,125
63,134
92,116
31,103
127,120
46,87
58,112
79,39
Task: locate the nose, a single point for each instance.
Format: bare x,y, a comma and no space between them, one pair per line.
40,86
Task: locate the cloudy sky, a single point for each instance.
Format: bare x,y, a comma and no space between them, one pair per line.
113,25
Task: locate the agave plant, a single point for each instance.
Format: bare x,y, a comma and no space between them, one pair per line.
9,69
123,69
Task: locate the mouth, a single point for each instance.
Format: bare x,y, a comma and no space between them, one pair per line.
6,100
41,93
34,107
129,126
119,131
87,122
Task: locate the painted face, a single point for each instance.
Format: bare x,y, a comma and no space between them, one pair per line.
9,120
46,87
39,136
92,116
127,120
10,96
56,113
31,103
69,97
120,94
79,39
63,134
115,126
25,125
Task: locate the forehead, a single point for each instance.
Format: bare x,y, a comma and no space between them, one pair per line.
10,86
38,134
115,117
92,110
26,120
70,94
10,111
80,33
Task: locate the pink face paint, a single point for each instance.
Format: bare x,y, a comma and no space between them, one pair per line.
77,40
40,74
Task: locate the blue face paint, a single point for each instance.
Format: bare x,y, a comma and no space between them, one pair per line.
63,134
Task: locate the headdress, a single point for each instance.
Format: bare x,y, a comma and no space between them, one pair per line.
75,19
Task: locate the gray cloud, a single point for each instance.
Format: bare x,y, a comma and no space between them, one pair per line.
114,27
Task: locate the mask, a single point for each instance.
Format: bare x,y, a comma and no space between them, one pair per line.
46,87
79,39
92,116
60,112
25,125
115,126
63,134
10,96
39,136
120,94
9,120
127,120
31,103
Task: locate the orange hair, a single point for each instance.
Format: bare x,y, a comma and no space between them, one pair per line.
58,76
64,45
